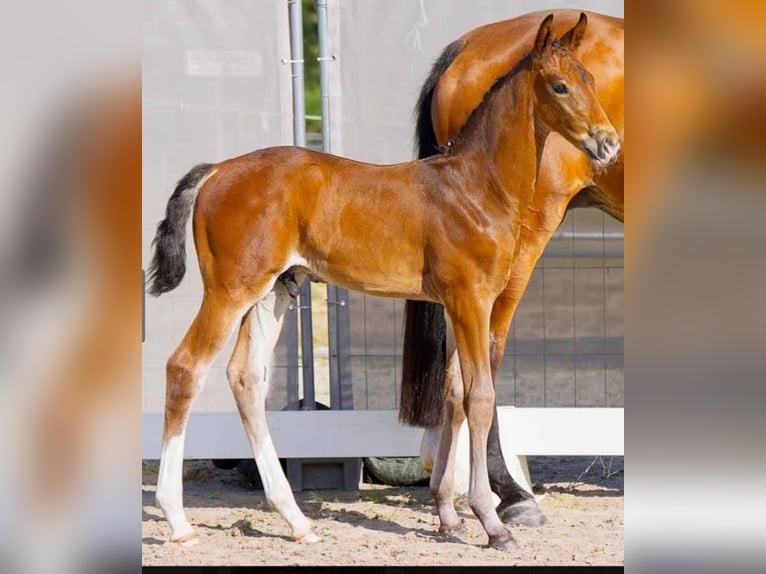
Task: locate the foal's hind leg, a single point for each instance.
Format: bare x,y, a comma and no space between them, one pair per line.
186,371
248,374
443,472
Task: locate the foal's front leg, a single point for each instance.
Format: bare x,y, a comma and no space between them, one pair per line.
470,320
248,373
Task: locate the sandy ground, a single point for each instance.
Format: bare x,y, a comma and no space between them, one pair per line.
380,525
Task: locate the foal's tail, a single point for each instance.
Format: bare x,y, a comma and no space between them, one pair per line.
169,262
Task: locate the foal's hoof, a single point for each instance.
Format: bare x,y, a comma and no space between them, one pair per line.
190,539
309,538
524,512
504,542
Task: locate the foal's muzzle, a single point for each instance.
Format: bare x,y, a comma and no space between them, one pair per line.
602,147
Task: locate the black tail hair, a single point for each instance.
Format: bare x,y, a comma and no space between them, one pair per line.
424,358
169,262
425,138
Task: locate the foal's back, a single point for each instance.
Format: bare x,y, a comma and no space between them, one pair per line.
288,206
319,211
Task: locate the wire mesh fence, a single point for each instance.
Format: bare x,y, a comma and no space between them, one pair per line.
565,346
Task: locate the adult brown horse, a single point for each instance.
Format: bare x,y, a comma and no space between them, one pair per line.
460,77
445,229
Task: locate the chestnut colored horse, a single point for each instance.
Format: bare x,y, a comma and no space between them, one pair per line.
460,77
444,229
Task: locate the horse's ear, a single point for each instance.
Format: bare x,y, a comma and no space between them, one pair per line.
544,37
573,38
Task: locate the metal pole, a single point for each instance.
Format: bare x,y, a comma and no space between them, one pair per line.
299,139
339,332
296,65
324,74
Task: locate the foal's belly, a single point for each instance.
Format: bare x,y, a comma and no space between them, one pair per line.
374,273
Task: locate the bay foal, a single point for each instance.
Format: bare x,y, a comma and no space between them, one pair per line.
443,229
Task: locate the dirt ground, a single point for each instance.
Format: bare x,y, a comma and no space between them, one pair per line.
380,525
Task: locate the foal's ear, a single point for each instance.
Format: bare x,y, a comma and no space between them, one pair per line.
544,37
573,38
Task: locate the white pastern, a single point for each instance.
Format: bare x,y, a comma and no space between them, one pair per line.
170,489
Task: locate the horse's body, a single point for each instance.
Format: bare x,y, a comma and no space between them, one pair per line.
443,230
456,86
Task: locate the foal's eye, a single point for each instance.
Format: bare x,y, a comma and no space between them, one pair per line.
560,88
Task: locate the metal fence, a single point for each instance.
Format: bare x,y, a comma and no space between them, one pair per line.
565,348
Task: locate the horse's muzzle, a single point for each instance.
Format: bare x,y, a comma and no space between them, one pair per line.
603,149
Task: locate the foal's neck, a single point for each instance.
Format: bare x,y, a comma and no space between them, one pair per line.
507,135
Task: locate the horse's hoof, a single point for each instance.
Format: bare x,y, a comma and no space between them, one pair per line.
457,532
504,542
309,538
525,512
190,539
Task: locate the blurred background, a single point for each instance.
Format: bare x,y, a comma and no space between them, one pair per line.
70,309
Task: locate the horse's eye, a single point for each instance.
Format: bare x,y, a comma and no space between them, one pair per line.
560,88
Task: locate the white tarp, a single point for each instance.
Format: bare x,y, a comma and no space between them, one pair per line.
214,86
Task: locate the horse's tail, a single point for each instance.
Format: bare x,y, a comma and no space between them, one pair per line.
425,137
424,357
169,262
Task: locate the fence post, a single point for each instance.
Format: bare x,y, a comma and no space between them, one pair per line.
304,302
341,389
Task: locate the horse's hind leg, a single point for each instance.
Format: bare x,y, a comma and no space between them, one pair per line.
186,371
517,506
248,374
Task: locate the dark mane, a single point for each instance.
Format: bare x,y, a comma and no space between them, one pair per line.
479,113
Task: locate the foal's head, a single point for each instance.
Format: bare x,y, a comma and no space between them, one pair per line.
566,98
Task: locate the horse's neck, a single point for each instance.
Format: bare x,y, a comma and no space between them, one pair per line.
511,141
